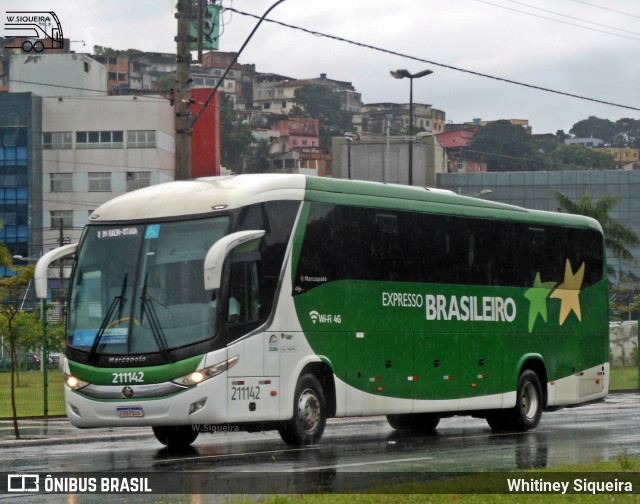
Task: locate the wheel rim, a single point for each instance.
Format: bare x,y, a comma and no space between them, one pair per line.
309,410
529,401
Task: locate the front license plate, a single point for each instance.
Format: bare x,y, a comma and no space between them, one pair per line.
130,411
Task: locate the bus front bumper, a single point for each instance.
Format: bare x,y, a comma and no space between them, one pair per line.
194,405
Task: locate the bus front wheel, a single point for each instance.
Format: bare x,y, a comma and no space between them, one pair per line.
176,437
309,414
528,409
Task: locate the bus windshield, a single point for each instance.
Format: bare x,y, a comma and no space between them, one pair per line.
139,289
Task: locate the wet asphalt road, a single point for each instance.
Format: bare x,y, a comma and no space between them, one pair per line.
462,444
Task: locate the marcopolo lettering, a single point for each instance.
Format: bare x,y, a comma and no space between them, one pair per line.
470,308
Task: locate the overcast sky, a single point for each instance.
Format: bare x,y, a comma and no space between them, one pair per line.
587,48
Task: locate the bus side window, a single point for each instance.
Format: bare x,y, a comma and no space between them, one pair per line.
244,293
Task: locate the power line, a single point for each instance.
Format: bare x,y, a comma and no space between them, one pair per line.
102,92
562,15
435,63
111,166
607,9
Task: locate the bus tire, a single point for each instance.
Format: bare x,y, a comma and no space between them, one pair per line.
528,409
309,414
176,437
416,422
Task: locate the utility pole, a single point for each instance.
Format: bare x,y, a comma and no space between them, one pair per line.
183,91
61,273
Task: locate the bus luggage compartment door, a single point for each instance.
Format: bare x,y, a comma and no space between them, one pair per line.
384,371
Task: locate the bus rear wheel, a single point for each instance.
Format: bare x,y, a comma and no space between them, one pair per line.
309,414
416,422
176,437
528,409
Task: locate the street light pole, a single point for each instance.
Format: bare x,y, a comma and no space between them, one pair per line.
401,74
349,140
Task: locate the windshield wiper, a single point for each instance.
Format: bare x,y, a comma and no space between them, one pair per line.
154,323
115,303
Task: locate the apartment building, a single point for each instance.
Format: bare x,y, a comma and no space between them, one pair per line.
377,117
94,149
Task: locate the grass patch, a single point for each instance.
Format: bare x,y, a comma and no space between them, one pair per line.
30,393
624,378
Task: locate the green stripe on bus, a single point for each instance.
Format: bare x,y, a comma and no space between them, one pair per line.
152,374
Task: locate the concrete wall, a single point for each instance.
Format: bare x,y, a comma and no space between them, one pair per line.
57,75
623,343
379,160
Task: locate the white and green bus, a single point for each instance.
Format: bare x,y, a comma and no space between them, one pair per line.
278,301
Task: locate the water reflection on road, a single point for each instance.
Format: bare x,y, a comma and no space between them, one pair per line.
355,451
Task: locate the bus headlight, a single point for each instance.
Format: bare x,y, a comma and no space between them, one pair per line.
205,373
74,383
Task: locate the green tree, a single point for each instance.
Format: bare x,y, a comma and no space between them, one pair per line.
617,237
624,303
108,51
561,136
594,127
259,160
624,132
546,144
235,137
321,103
56,336
167,82
12,290
28,330
506,147
579,157
627,133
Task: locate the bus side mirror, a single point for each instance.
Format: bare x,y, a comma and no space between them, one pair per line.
40,273
218,252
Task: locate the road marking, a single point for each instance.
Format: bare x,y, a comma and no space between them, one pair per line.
238,454
360,464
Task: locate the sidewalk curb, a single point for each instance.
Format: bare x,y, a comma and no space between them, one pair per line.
73,439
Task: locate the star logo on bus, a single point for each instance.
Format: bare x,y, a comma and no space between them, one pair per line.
568,292
537,296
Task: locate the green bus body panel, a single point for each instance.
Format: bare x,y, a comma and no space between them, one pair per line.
152,374
397,351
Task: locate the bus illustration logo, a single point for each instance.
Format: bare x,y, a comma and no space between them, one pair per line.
33,30
23,483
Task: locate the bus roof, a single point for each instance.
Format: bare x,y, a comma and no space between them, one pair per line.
200,196
210,194
425,199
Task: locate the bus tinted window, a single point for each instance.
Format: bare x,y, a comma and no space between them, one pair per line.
276,218
343,242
